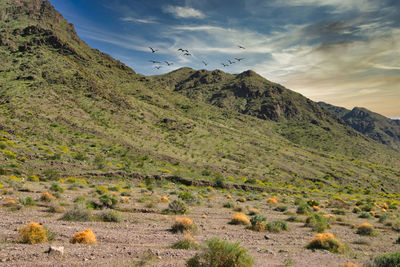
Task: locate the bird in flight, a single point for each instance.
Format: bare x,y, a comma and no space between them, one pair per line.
169,63
153,50
231,62
205,63
225,65
187,54
154,62
239,59
241,47
183,50
158,67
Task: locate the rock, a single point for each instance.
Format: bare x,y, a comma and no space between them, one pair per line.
267,237
56,251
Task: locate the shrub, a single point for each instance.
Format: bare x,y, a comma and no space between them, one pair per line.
79,213
272,200
303,209
398,240
110,216
108,201
281,208
221,253
339,212
33,178
241,199
164,199
317,222
277,226
240,218
188,242
367,207
56,188
365,229
28,201
183,225
55,208
326,241
47,197
33,233
101,190
390,259
253,211
258,222
364,215
84,237
177,207
228,205
350,264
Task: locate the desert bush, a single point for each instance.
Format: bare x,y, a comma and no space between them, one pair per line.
110,216
396,226
398,240
228,205
101,189
177,207
365,229
164,199
84,237
281,208
312,202
188,242
365,215
303,209
27,201
326,241
221,253
241,199
183,225
253,211
79,213
350,264
317,222
55,208
33,233
339,212
277,226
47,197
391,259
33,178
240,218
367,207
258,222
272,200
56,188
108,201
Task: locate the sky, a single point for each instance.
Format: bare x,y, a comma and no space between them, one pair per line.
343,52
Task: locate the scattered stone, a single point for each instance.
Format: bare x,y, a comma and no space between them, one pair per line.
267,237
55,251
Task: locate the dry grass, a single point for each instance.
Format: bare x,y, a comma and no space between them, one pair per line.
33,233
365,229
164,199
240,218
272,200
183,225
84,237
47,197
326,241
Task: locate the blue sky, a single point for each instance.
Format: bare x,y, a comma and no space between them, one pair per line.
344,52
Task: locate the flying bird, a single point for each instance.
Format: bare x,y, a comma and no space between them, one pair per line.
158,67
241,47
231,62
183,50
205,63
187,54
225,65
169,63
153,50
154,62
239,59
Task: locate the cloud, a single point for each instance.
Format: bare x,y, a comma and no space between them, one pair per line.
184,12
338,6
136,20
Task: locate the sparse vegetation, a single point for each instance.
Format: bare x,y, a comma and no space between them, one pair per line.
33,233
277,226
85,237
240,218
326,241
183,225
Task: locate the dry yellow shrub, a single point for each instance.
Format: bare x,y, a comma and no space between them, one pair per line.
125,199
84,237
316,208
228,196
47,197
254,211
240,218
33,233
164,199
272,200
183,224
350,264
326,241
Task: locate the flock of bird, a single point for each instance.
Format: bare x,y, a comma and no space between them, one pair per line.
186,53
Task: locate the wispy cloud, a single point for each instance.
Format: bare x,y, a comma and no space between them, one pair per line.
184,12
338,6
136,20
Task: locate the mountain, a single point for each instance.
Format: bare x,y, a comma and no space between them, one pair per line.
69,110
374,125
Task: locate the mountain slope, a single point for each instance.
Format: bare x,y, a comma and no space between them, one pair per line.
67,109
374,125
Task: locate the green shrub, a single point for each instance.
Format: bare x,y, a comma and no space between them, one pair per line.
108,201
364,215
56,188
177,207
367,207
28,201
188,242
277,226
221,253
303,209
365,229
110,216
258,222
229,205
79,213
339,212
317,222
391,259
281,208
